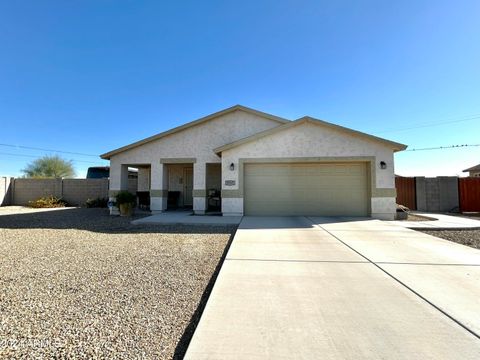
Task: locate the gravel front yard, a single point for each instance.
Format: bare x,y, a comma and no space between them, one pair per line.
465,237
77,283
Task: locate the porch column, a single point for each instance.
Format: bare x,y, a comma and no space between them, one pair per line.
158,187
199,188
118,181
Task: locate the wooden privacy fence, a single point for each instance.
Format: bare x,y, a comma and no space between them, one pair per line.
406,194
469,194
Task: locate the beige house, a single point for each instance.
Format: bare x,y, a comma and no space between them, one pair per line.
261,164
474,171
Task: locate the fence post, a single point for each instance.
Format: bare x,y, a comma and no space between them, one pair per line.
448,193
421,194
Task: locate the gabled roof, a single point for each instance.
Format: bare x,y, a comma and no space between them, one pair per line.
395,146
473,168
202,120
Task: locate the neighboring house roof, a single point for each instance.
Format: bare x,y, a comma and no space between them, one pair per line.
473,168
395,146
194,123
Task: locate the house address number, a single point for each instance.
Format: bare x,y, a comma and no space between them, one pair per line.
229,182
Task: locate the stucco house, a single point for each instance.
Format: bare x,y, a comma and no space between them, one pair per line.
474,171
262,164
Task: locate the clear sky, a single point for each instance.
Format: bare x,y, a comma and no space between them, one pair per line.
90,76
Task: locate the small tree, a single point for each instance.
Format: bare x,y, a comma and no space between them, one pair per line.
49,167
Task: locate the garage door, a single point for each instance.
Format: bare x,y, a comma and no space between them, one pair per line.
306,189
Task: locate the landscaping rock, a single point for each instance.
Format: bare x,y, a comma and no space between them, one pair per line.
466,237
78,283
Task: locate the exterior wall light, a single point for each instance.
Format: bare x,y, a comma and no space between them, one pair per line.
232,166
383,165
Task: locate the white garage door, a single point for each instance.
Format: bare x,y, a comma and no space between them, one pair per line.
337,189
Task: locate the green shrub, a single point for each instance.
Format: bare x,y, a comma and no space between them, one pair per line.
97,203
125,197
47,202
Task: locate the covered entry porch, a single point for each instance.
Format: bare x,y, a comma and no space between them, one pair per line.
169,184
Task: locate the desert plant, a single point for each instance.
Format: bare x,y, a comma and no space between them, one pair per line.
97,203
125,202
47,202
49,167
125,197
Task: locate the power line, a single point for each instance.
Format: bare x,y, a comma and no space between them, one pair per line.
430,124
52,150
445,147
36,156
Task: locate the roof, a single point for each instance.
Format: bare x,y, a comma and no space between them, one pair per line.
394,145
202,120
473,168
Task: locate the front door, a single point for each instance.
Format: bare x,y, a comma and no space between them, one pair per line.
187,186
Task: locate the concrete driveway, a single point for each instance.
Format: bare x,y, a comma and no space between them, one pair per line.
303,288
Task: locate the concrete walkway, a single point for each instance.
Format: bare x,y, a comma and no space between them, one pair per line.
300,288
187,218
441,221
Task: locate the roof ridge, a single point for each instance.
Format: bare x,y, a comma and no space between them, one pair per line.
196,122
396,146
472,168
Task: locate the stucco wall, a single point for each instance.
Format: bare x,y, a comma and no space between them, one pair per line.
195,142
308,140
302,141
198,141
6,190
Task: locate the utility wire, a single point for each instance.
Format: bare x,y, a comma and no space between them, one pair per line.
430,125
36,156
421,125
424,125
52,150
445,147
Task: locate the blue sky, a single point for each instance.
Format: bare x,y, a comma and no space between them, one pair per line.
91,76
